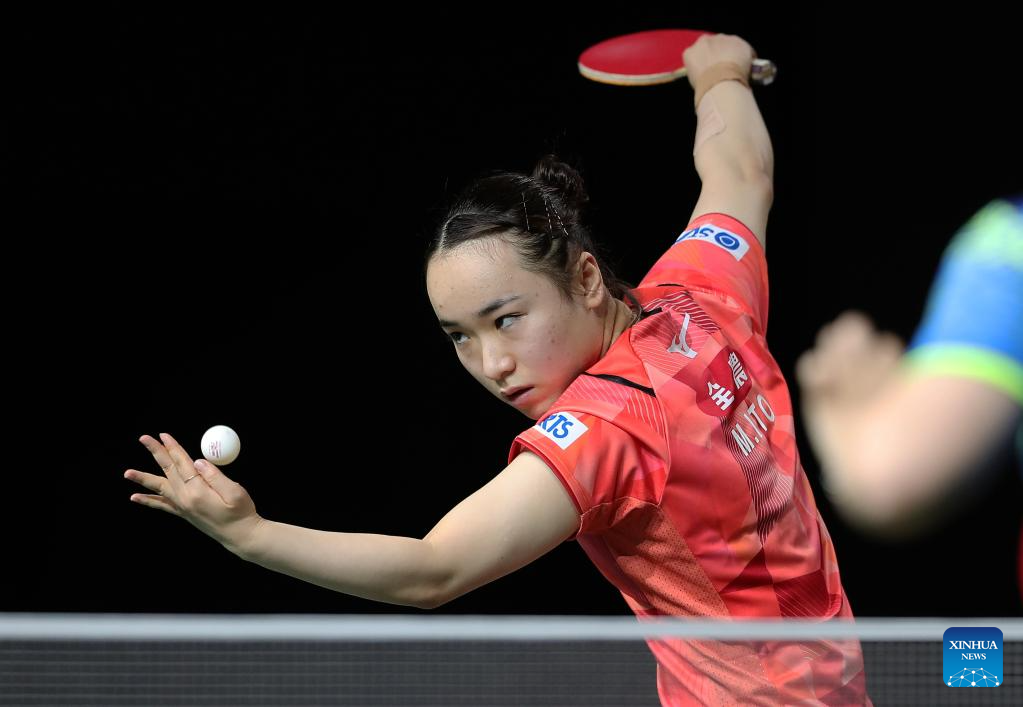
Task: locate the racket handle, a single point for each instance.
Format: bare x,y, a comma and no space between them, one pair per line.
763,71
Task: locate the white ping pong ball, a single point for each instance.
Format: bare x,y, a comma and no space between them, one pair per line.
220,444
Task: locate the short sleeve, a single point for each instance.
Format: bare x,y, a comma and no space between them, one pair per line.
717,253
972,325
596,461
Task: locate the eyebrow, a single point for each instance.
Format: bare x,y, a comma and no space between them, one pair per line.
492,307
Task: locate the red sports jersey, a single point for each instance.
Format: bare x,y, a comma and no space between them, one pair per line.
678,448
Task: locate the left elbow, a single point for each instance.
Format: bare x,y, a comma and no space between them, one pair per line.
431,595
436,589
443,592
432,602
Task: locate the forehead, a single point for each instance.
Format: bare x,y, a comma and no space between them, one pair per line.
464,277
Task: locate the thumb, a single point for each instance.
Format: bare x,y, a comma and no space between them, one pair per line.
808,370
215,478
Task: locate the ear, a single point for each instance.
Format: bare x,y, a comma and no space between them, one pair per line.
588,280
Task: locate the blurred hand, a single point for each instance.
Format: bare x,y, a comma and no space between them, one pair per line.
839,379
198,492
712,49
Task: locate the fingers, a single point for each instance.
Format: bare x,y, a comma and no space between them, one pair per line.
178,468
808,370
850,334
171,456
150,481
712,48
842,345
180,481
161,455
154,501
851,361
848,327
227,489
182,462
154,483
214,504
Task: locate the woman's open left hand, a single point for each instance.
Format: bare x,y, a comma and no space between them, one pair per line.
198,492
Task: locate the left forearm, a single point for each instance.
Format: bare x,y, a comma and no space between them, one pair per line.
731,136
396,570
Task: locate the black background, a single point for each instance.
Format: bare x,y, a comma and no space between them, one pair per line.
221,220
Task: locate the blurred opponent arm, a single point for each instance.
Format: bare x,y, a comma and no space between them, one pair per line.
895,444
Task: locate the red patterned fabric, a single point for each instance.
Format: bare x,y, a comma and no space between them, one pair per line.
678,448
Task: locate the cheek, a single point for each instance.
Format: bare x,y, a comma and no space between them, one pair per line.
576,343
471,366
541,344
465,360
557,345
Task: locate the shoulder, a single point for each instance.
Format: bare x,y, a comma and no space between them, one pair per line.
994,234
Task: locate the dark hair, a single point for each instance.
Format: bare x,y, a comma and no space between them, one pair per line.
538,215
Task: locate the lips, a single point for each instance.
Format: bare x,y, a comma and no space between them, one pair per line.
515,394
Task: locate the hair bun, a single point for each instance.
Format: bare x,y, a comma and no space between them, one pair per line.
564,180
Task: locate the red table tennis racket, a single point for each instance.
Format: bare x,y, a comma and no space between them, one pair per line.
648,58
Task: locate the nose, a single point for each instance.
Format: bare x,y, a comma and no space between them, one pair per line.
497,361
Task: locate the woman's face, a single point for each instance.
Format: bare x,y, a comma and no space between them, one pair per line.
513,330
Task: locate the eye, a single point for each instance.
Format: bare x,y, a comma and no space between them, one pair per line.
509,317
502,322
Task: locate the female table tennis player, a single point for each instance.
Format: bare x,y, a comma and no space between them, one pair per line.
664,443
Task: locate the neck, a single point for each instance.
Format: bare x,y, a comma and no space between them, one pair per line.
620,317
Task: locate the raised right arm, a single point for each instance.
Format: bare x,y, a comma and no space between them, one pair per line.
732,150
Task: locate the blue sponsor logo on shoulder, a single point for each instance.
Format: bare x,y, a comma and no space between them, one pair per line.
735,244
562,428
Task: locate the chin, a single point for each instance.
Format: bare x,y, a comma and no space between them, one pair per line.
538,411
528,412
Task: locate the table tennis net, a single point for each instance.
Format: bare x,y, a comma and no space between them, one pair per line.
63,659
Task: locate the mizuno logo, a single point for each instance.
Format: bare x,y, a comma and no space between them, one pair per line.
679,345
